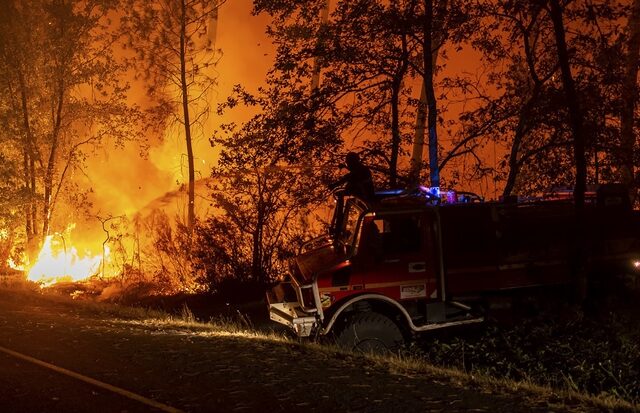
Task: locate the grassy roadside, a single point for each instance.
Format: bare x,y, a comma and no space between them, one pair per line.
402,365
410,366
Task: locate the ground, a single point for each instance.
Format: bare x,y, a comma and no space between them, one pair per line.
208,369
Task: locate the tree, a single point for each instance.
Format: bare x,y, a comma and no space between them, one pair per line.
517,103
573,104
16,45
65,92
493,93
12,200
264,184
369,56
174,46
363,51
373,54
527,109
433,38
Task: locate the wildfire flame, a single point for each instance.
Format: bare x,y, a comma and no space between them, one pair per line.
58,262
14,265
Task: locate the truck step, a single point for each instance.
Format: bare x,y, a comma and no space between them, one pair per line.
444,312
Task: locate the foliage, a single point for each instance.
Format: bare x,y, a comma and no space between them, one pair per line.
62,92
516,101
513,105
12,198
221,254
597,356
148,255
267,181
370,54
163,254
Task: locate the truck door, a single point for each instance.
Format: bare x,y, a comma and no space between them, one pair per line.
394,256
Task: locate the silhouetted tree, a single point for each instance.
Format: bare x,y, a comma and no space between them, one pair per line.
264,184
518,105
434,34
573,104
173,41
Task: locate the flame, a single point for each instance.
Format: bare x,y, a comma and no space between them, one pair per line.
58,262
15,266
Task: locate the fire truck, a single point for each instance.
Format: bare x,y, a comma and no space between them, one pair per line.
413,261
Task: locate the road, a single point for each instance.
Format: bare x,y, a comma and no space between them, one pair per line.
61,357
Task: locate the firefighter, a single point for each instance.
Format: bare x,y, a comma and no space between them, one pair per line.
358,181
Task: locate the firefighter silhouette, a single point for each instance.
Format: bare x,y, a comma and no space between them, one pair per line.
358,181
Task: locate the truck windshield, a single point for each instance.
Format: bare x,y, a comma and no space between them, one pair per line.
350,224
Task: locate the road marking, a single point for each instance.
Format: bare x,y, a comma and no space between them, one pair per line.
97,383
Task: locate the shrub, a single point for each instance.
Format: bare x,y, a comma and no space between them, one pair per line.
597,356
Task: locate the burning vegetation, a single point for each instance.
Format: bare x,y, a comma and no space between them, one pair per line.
58,262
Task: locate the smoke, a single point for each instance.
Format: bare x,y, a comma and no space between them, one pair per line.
123,181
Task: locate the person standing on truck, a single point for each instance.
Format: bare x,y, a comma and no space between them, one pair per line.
358,181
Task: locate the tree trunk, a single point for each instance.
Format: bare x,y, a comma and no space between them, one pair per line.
432,117
396,88
256,261
27,186
575,115
257,254
521,128
627,137
51,163
395,132
29,162
33,201
514,163
418,138
315,74
573,106
191,216
433,34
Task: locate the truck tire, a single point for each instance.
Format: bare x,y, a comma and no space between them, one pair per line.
369,332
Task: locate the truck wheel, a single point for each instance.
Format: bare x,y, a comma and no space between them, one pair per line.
369,332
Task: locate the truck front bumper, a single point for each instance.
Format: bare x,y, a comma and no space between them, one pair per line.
290,313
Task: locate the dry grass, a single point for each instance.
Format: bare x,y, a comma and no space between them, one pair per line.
411,366
143,316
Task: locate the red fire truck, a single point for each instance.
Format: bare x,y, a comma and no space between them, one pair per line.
411,261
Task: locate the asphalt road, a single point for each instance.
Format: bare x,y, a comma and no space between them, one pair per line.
26,387
58,357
